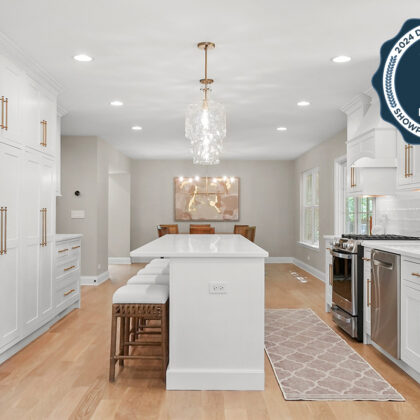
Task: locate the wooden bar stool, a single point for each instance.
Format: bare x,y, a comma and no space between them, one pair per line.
134,305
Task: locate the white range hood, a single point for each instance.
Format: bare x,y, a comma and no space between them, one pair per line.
371,146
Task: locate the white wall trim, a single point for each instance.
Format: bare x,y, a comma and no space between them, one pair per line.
119,260
311,270
94,280
279,260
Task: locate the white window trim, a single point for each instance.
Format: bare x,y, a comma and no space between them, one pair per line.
340,187
312,245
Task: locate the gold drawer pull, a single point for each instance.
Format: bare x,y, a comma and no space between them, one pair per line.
63,250
70,291
75,247
415,274
365,259
69,268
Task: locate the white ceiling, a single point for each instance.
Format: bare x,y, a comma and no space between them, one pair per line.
269,54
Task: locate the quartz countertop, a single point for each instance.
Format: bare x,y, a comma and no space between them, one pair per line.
60,237
404,248
195,246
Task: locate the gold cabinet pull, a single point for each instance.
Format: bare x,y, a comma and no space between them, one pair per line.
75,247
2,112
368,302
69,268
63,250
1,231
409,160
415,274
43,227
405,161
46,132
352,177
5,231
46,226
70,291
6,124
365,259
331,274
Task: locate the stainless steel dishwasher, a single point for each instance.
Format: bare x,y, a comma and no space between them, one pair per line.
385,307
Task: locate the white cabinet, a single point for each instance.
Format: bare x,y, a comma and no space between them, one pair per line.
354,184
410,313
9,101
328,273
10,160
408,171
47,124
367,296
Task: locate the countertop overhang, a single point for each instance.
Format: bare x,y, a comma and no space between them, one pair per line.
199,246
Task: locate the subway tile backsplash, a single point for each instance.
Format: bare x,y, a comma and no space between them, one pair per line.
399,214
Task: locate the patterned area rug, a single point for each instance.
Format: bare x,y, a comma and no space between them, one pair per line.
312,362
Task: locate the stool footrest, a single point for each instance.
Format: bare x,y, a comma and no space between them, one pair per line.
138,357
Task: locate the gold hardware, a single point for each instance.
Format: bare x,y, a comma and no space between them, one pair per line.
43,227
365,259
206,81
75,247
1,230
70,291
409,160
44,133
63,250
405,161
6,124
331,274
415,274
352,177
2,112
368,294
5,231
69,268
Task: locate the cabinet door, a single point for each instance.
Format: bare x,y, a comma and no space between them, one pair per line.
10,159
48,229
48,122
414,164
31,240
410,330
368,292
9,91
30,114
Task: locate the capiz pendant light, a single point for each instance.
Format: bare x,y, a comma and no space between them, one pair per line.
205,122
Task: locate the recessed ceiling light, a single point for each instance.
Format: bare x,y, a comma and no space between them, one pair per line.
281,128
83,57
116,103
303,103
341,59
136,128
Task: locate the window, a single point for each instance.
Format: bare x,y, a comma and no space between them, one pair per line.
309,226
352,213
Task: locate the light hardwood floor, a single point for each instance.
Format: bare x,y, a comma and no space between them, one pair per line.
64,373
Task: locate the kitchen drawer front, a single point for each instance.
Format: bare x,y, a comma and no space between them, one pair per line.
69,249
410,270
67,266
68,293
75,248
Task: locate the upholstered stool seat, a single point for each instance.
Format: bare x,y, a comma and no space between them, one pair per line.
149,279
159,261
143,312
154,269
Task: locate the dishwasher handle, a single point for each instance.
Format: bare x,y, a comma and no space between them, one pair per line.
383,264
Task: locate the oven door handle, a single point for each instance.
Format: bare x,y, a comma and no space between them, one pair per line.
340,255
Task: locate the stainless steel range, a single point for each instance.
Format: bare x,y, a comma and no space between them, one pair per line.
347,280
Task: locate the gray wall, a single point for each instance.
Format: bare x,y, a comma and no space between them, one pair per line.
321,156
266,199
85,165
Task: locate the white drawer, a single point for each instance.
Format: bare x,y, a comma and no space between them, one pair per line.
411,270
67,293
75,248
68,249
67,266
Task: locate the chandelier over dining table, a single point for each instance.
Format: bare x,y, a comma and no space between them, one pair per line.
205,122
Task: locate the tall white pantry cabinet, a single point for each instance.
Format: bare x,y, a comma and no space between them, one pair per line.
28,138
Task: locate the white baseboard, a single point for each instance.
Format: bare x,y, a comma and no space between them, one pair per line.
279,260
119,260
94,280
311,270
222,379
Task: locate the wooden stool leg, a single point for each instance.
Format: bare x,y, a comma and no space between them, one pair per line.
164,339
113,349
122,338
127,336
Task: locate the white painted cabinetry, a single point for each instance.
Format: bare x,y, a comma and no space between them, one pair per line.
367,296
28,296
410,312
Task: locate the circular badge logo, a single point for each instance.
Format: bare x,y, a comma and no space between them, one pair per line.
397,81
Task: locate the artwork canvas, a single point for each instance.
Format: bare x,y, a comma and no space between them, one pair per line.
207,198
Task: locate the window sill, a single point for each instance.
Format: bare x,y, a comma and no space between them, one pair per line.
309,246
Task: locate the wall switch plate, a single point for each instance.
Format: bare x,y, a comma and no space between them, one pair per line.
217,287
77,214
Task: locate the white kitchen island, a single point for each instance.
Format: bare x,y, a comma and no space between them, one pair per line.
216,292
